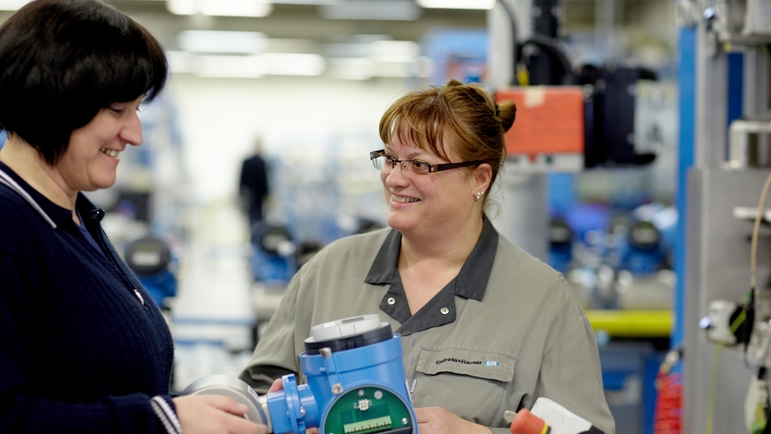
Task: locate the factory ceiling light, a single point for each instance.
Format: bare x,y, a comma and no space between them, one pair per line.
229,66
307,64
457,4
251,66
223,8
393,10
394,51
306,2
214,41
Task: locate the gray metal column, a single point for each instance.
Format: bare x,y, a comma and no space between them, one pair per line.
523,218
522,215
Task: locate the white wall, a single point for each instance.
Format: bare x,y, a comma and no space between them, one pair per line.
220,119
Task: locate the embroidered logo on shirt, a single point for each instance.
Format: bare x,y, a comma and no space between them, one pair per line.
468,362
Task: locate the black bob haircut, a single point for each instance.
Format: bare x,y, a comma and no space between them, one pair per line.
61,61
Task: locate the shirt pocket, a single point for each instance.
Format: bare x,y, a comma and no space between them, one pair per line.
476,362
453,377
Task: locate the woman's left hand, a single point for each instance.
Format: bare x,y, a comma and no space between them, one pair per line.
436,420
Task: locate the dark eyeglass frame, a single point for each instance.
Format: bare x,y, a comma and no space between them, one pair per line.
374,155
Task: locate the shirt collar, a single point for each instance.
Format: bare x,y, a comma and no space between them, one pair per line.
471,281
54,214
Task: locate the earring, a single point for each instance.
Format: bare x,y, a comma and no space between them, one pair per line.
478,196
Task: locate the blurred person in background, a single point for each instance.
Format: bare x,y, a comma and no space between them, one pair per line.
253,185
83,349
485,327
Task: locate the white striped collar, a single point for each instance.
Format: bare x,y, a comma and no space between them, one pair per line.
13,185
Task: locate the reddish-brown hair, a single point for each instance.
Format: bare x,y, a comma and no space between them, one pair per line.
461,117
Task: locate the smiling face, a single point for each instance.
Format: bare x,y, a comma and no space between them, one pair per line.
433,204
92,156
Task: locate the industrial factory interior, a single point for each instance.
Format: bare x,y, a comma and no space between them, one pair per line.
637,167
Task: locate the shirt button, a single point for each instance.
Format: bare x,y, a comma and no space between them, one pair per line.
391,301
444,311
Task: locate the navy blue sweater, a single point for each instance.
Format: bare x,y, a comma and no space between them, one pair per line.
79,351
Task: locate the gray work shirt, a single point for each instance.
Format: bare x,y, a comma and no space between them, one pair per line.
507,330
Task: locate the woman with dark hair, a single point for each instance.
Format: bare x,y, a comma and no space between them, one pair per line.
83,349
485,327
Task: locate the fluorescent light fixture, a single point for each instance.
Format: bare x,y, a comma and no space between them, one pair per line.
457,4
235,8
392,10
395,51
182,7
254,66
306,2
217,41
223,8
378,50
12,5
293,64
229,66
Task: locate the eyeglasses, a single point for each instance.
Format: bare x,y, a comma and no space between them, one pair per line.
414,166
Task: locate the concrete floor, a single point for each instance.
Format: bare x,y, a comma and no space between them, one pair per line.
212,316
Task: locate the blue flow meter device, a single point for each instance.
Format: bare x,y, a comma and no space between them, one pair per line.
356,383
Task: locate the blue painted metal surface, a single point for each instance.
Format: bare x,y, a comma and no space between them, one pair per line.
686,78
735,86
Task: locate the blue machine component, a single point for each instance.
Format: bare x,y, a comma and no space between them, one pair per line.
647,247
355,384
272,248
294,409
150,258
271,269
160,286
643,253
